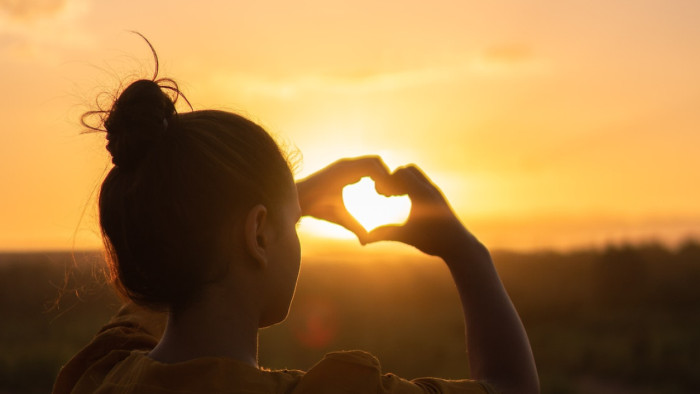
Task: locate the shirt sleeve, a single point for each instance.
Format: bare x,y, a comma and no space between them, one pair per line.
132,328
360,372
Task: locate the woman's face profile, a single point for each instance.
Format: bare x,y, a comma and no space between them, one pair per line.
283,260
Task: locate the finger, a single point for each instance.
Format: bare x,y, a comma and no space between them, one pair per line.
418,174
385,233
352,170
428,189
388,186
417,185
402,181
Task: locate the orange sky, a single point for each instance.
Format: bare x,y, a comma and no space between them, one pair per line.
546,123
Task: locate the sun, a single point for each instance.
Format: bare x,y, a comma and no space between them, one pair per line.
373,210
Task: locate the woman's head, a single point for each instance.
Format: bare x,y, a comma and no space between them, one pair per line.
180,186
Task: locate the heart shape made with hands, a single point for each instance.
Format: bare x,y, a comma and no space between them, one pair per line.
373,210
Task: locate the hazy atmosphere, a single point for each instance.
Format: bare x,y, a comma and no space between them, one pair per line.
546,123
565,134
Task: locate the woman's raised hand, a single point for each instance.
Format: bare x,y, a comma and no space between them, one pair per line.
432,226
321,194
498,348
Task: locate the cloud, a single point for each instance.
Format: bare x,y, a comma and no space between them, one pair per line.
334,83
28,10
510,53
509,59
501,63
495,61
39,29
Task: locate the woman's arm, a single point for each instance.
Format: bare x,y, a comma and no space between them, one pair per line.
497,345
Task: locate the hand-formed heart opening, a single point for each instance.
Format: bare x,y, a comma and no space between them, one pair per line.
373,210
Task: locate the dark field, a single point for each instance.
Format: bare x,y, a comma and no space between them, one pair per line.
619,320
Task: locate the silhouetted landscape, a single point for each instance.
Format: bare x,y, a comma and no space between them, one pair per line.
623,319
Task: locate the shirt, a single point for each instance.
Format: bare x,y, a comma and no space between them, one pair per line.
116,361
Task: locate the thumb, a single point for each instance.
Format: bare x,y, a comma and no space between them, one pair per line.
385,233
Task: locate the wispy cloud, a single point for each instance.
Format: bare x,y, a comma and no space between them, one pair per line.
496,60
27,10
510,53
513,58
35,29
260,85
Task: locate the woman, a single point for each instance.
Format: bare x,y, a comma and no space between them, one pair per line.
198,216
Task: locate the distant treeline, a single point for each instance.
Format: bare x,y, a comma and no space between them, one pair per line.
618,277
616,319
625,315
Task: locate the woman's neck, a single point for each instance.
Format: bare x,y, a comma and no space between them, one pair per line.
210,328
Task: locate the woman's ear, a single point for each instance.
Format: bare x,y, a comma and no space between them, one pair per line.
255,232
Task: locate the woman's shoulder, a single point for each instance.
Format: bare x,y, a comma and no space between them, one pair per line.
132,328
357,371
140,373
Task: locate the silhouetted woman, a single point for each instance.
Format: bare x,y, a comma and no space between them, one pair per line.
198,216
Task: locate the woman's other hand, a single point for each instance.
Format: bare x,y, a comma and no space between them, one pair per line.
432,226
321,194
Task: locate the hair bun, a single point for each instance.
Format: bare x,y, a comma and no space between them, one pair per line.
138,119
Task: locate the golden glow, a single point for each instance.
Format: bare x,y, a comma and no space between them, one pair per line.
373,210
558,127
322,229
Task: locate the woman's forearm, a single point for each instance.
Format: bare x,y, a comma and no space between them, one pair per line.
498,348
497,345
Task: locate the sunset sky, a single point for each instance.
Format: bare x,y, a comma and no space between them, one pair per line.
546,123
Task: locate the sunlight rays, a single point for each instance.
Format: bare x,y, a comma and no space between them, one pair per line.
373,210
